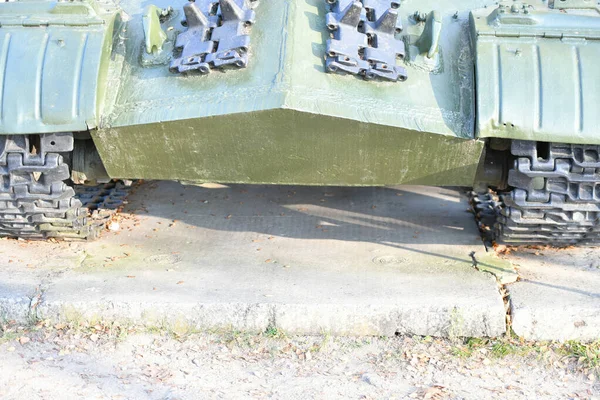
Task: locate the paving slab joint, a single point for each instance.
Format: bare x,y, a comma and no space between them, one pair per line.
273,318
36,301
30,315
502,280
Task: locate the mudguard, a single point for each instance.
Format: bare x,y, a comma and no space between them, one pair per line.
537,71
53,58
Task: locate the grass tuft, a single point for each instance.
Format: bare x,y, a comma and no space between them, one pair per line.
274,333
585,354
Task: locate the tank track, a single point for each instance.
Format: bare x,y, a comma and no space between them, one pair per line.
35,200
555,196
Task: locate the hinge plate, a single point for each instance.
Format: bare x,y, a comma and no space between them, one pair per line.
574,4
522,20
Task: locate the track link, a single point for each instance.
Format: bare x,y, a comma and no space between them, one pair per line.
555,196
35,200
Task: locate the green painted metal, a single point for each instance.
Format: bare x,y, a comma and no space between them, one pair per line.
287,146
155,35
429,41
418,131
53,57
537,73
287,71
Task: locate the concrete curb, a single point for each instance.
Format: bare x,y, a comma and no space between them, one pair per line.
296,319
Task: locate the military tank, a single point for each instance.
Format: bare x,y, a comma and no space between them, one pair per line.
470,93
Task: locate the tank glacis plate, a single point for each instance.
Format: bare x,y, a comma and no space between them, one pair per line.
287,70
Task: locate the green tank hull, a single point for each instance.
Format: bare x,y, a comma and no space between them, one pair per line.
284,120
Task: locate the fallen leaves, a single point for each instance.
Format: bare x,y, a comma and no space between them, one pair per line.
435,392
501,249
505,250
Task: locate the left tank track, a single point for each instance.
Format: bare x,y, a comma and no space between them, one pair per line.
554,197
37,200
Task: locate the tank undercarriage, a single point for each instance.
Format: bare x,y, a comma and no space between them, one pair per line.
38,199
552,196
544,193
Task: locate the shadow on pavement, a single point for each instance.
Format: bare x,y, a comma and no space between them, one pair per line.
409,215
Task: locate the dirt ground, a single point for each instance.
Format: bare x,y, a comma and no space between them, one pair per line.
109,362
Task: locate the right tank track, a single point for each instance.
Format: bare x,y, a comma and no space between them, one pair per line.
37,200
554,200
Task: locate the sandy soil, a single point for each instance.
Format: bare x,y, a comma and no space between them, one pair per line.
108,363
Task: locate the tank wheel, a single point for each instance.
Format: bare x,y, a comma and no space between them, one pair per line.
37,198
554,196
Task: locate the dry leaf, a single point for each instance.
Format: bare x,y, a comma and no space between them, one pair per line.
434,393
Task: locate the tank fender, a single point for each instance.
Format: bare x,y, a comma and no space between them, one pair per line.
53,59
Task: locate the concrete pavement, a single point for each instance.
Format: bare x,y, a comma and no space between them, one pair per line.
362,261
305,260
558,295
